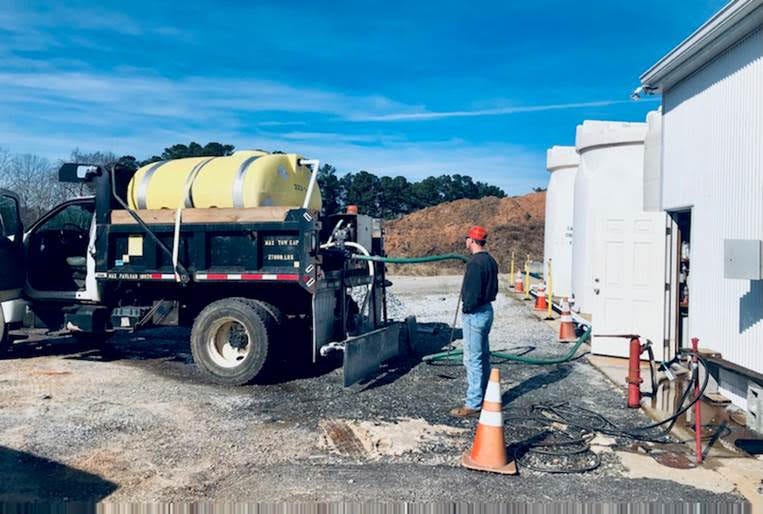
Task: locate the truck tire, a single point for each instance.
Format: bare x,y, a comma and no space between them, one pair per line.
267,309
231,341
279,353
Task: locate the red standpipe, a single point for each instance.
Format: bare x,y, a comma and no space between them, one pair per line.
634,373
698,404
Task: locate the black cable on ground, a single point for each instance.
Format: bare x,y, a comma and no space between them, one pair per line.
561,432
552,448
583,418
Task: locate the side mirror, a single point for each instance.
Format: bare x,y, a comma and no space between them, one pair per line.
74,172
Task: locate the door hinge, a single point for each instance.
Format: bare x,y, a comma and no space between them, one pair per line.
667,286
668,231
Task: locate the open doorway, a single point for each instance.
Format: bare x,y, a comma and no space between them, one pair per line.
680,279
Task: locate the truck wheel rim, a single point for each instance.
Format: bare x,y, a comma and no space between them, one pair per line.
229,343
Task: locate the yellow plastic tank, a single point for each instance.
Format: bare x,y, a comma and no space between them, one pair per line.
244,179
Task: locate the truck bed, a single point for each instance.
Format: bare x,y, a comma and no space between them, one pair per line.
253,244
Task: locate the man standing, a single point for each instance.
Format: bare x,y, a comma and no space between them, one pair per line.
478,291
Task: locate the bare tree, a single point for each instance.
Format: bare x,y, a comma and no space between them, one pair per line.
35,180
99,158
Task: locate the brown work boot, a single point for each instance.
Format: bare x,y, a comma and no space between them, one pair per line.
464,412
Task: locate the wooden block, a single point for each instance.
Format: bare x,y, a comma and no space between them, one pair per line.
212,215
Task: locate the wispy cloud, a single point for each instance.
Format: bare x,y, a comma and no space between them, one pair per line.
499,111
78,19
194,98
274,123
512,167
190,98
133,111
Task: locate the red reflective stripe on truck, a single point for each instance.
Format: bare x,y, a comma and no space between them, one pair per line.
247,276
162,276
267,276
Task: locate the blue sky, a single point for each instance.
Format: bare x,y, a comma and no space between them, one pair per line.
411,88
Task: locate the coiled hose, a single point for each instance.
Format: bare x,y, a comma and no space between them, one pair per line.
453,354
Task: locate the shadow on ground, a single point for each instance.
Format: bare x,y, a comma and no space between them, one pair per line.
164,351
430,338
536,382
27,478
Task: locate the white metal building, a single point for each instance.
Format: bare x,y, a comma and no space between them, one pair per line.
712,186
562,163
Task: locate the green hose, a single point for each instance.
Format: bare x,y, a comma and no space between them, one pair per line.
457,354
411,260
454,354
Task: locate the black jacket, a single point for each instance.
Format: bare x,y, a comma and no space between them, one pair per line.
480,282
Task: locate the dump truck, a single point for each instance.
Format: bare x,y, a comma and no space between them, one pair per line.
256,275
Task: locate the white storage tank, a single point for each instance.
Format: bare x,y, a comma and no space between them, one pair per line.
653,163
619,248
610,175
562,163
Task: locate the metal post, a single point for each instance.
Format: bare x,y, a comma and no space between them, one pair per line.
698,404
550,292
511,274
634,373
527,277
314,164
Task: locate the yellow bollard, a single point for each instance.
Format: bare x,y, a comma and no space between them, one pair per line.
550,292
527,277
511,275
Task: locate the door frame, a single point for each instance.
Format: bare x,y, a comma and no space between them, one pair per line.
672,317
16,239
90,292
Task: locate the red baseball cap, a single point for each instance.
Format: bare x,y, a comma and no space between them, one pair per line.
477,233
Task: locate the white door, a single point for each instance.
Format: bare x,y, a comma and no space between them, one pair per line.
629,281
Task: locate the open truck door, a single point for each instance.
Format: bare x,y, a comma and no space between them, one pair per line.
12,270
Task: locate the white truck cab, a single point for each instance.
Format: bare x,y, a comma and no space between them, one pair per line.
51,262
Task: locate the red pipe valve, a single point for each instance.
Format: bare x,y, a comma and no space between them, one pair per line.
634,380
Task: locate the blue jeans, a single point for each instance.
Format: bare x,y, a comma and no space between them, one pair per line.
477,354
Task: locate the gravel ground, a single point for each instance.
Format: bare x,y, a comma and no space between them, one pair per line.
137,422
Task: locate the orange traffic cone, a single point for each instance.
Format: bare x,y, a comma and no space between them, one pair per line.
540,298
567,327
519,284
489,449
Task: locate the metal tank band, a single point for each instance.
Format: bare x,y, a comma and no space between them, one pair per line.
238,183
188,188
141,197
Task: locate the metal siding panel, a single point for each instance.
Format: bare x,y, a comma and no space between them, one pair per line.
713,161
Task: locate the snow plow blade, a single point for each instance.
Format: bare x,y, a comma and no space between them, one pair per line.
364,354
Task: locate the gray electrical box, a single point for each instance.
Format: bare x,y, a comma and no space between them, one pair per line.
742,259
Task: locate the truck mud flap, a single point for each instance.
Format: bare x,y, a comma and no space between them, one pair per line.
364,354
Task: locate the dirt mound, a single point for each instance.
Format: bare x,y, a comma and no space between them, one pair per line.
514,224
